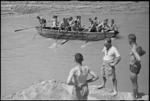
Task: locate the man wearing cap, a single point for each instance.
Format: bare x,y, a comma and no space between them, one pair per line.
42,21
111,58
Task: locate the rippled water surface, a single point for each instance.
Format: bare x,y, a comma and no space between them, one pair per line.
25,60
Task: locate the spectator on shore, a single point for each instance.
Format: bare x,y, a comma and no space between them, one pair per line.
111,58
135,63
78,78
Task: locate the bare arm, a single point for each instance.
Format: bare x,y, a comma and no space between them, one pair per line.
116,61
69,79
136,55
94,77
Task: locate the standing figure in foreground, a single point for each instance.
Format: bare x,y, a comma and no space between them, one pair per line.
110,59
42,21
135,64
78,78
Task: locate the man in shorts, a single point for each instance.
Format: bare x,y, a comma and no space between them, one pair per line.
110,59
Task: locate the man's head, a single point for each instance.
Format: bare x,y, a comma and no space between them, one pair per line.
78,58
95,18
79,17
55,16
38,17
70,18
131,38
107,42
105,21
90,19
112,21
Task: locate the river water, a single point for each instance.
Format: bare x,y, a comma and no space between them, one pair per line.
25,60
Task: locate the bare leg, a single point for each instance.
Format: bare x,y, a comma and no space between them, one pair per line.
133,78
115,87
103,84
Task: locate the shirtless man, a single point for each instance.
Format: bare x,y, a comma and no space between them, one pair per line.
92,27
78,78
103,27
135,63
113,27
42,21
96,21
75,27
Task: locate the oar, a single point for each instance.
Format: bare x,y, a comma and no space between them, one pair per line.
37,33
23,29
34,36
65,40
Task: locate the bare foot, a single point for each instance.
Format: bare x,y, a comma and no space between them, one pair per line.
133,97
101,86
114,93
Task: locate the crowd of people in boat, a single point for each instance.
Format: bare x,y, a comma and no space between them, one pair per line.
71,24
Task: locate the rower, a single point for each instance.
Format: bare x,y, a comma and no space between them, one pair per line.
63,24
103,27
74,27
42,21
92,27
96,21
113,27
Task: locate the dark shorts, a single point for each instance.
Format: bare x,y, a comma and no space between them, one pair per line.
135,68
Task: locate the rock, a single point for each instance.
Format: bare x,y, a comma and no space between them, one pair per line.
57,90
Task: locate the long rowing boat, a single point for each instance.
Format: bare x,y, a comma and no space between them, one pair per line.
48,32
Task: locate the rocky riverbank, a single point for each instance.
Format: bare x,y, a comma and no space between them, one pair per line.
57,90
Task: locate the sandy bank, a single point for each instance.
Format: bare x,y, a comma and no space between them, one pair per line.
57,90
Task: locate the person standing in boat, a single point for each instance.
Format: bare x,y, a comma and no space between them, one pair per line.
113,27
135,63
42,21
78,77
110,59
55,22
92,27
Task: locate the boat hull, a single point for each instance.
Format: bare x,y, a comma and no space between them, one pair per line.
82,35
